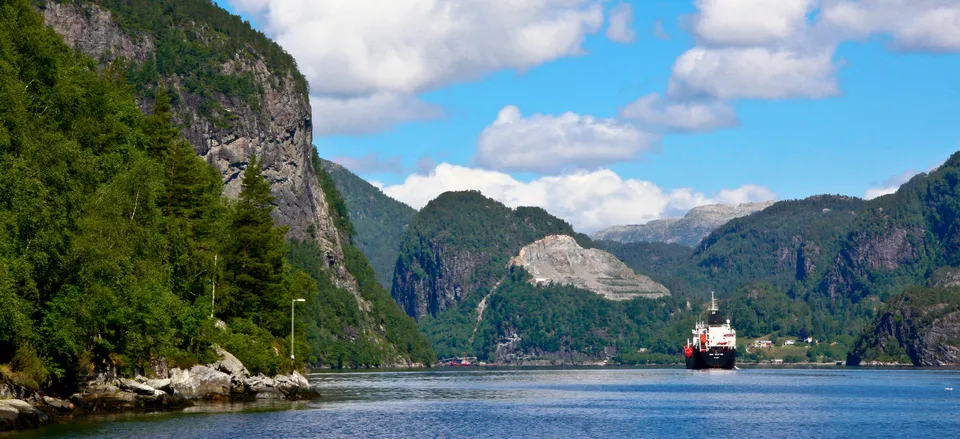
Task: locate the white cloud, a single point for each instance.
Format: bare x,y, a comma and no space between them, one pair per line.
753,73
915,25
749,22
621,24
368,114
681,117
370,163
360,47
550,144
588,200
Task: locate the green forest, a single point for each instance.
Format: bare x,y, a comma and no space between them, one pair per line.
114,234
378,220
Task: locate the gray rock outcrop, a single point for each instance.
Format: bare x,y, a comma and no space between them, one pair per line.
688,231
278,129
17,414
559,259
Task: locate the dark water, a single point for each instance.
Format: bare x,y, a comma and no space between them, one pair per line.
577,403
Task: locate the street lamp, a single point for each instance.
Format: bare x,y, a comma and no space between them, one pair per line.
293,302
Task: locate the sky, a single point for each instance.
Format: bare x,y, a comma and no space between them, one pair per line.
621,112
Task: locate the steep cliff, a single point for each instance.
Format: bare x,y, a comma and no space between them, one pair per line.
235,94
378,220
560,260
689,230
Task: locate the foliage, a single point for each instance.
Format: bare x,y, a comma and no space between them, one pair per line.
379,220
384,320
896,333
480,230
109,226
561,321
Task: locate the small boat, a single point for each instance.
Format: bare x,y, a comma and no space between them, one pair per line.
714,343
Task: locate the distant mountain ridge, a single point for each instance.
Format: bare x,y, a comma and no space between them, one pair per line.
688,231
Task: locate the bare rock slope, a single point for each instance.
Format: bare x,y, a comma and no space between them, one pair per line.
559,259
689,230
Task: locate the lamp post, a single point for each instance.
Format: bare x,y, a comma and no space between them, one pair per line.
292,303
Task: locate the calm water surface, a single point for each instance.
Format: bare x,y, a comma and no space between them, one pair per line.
576,403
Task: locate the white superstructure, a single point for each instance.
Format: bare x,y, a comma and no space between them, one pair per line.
715,333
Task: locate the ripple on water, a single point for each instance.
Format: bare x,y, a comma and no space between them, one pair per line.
576,403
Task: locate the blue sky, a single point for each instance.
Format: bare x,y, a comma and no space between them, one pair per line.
880,106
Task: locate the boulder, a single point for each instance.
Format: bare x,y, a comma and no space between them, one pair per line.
16,413
229,364
264,387
295,386
200,382
138,388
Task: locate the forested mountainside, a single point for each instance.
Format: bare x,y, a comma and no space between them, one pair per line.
378,220
460,243
453,273
113,233
920,326
840,256
688,231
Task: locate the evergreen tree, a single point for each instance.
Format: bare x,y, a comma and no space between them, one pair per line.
192,210
253,259
160,127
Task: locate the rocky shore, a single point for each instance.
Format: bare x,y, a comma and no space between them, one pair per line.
226,380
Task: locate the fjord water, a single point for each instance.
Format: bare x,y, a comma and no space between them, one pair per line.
577,403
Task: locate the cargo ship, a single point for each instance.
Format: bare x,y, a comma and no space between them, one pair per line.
714,343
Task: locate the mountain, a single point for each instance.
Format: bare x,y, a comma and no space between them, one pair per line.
135,220
842,257
558,259
234,93
460,243
378,220
462,271
920,326
688,231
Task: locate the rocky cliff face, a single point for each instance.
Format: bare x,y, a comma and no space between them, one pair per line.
689,230
920,327
224,129
559,259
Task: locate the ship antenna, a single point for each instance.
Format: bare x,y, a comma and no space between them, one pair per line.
713,302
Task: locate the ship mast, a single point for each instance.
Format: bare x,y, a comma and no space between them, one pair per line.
713,303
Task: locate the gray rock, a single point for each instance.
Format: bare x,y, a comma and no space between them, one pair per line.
138,388
15,414
688,231
59,405
229,364
559,259
200,382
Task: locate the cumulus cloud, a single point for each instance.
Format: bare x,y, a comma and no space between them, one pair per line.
753,73
550,144
588,200
368,114
360,47
914,25
370,163
749,22
621,24
680,117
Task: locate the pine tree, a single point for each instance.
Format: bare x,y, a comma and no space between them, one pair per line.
192,211
160,127
253,257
